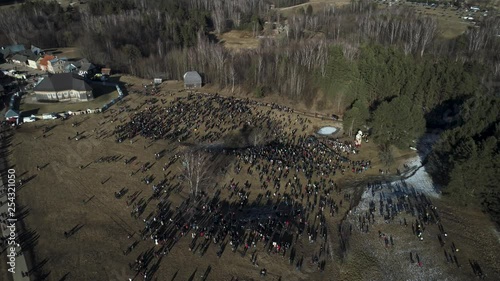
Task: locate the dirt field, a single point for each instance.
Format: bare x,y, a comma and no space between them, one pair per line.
62,195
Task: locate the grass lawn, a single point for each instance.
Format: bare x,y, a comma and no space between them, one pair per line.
102,95
317,5
239,39
450,24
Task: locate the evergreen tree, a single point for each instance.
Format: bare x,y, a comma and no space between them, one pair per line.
355,118
398,122
466,159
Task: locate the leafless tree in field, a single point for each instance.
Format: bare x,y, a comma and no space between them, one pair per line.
350,50
258,136
232,73
195,170
429,27
477,39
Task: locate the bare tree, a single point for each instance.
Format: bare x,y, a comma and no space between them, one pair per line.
219,17
195,170
258,137
429,31
232,74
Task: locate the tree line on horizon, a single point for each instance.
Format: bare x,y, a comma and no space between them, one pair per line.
385,70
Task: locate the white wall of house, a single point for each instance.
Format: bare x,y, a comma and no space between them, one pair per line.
58,67
32,64
69,95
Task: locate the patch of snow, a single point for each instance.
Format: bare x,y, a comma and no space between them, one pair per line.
326,130
419,179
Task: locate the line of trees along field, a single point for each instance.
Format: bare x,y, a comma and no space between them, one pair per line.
386,69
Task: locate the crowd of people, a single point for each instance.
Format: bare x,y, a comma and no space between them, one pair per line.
399,203
274,157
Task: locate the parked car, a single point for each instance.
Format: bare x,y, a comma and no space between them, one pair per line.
29,119
49,116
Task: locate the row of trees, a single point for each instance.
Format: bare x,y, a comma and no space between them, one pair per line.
129,35
385,69
392,93
466,159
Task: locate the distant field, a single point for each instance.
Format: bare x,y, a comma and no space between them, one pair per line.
239,39
12,3
5,4
68,52
450,22
317,5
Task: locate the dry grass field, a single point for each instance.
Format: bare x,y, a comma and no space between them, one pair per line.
317,5
450,22
469,229
63,195
71,53
239,40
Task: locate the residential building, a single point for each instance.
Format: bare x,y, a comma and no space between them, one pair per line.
63,87
43,62
56,65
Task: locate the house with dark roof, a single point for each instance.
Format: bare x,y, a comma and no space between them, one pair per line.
11,50
86,69
8,51
192,79
35,50
13,110
63,87
83,67
19,59
11,114
14,48
31,58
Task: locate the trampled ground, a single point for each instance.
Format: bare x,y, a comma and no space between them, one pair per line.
63,195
